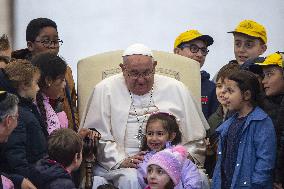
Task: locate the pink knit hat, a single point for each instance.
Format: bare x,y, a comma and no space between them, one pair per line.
171,160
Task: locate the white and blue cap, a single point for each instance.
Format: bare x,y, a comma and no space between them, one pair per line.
137,49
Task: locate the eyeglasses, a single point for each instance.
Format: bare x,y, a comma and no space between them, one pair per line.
194,49
15,116
47,42
135,75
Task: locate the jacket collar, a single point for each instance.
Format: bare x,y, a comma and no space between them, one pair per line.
256,115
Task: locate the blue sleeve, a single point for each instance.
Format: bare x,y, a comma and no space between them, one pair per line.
265,146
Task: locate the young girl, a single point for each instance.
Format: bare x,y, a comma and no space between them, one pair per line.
162,131
246,148
51,84
217,118
165,168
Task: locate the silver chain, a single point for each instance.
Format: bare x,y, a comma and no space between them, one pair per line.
140,134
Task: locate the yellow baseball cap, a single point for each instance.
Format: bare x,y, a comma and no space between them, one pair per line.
273,59
251,28
190,35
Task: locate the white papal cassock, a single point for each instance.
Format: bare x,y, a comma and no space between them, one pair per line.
110,110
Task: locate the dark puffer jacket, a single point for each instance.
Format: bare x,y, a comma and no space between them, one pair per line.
208,95
274,107
53,175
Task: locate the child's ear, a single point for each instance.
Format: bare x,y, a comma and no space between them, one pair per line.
263,49
48,81
172,136
30,46
177,50
247,95
23,87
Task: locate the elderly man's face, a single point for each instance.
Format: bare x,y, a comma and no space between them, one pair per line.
138,71
8,124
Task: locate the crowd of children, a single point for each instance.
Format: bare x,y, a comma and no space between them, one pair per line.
244,108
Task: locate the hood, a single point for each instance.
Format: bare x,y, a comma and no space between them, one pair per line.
5,84
50,170
204,75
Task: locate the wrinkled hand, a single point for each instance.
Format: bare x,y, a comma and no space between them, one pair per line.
84,132
26,184
133,161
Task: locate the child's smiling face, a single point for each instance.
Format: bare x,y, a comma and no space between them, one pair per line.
156,135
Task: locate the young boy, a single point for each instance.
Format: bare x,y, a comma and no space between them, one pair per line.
65,155
273,84
192,44
5,51
250,41
42,36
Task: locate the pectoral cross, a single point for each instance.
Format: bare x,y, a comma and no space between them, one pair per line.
140,135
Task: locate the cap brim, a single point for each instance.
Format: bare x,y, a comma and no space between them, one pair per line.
207,38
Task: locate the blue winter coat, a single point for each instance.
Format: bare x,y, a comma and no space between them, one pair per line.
256,153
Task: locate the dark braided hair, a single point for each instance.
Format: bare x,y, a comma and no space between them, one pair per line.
169,123
50,66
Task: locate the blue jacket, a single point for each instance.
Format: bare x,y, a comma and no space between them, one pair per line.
256,153
208,95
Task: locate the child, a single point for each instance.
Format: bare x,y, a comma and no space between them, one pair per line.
162,131
273,84
249,41
27,143
51,84
65,155
217,118
246,148
192,44
164,168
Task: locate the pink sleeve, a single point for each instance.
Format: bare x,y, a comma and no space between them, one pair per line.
63,119
7,183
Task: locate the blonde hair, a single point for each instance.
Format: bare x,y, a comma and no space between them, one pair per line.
20,72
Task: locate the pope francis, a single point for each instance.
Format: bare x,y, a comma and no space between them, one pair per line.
119,108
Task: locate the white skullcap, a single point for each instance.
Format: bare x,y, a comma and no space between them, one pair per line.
137,49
